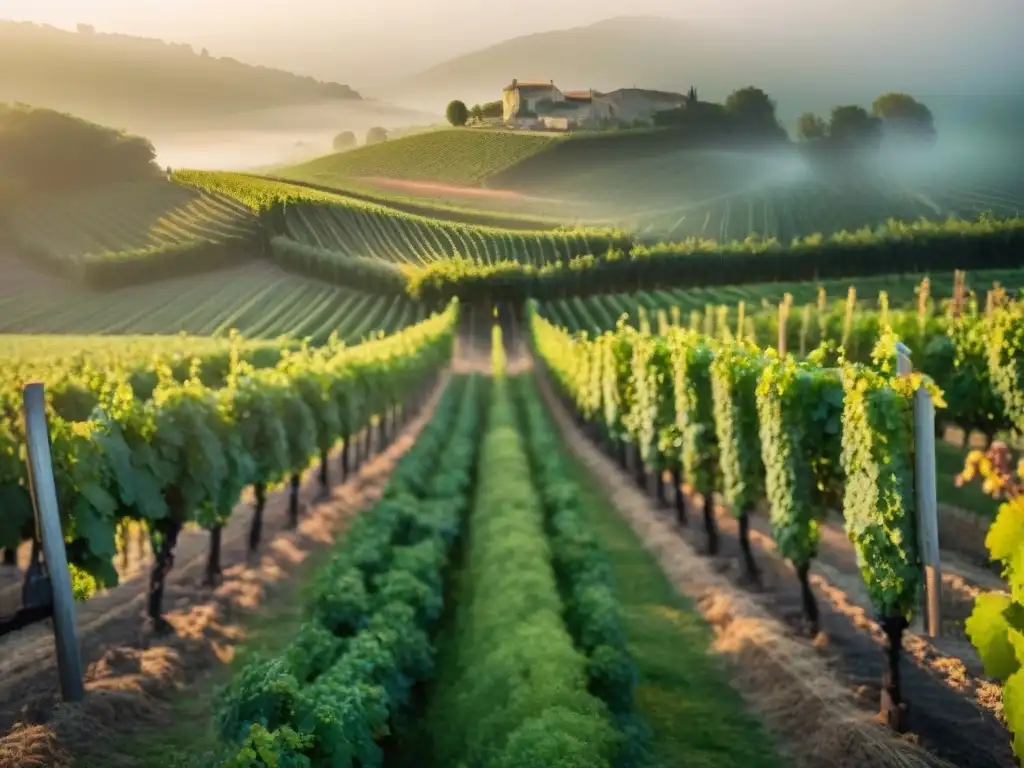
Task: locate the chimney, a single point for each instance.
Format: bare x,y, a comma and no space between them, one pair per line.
515,82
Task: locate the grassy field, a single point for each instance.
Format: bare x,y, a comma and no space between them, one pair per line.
641,181
125,217
260,301
455,156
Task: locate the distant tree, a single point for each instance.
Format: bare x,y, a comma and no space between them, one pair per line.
850,126
376,135
457,113
811,127
492,109
476,113
344,141
752,106
85,29
903,116
204,53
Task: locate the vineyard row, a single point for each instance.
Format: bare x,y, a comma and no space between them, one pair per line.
484,477
179,452
801,437
951,340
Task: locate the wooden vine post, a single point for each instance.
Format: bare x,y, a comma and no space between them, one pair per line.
784,307
926,502
43,490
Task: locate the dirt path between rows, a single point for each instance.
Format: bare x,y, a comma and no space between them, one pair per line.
826,719
131,673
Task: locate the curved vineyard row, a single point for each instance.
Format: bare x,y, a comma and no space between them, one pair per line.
184,454
356,228
125,218
259,301
601,312
802,435
900,247
734,195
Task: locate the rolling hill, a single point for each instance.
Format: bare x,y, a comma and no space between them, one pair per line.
125,80
457,156
802,71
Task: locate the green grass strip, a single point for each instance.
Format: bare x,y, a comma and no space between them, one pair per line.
683,693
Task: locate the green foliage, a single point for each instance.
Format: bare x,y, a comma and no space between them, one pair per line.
331,693
806,436
376,135
691,357
358,272
198,431
903,116
811,127
800,408
345,226
514,692
652,418
850,126
344,141
996,625
735,371
123,231
592,611
456,113
280,748
1006,360
877,422
953,350
920,246
46,151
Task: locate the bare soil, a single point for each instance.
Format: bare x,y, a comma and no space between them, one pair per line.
132,673
820,694
438,189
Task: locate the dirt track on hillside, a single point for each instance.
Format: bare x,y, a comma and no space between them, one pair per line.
132,673
438,189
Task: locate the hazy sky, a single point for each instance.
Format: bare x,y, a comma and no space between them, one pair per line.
336,38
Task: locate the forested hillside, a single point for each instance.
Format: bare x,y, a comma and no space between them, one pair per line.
108,77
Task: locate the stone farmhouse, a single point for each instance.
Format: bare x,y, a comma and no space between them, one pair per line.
544,106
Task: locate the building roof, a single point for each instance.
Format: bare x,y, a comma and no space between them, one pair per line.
524,85
645,93
577,95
